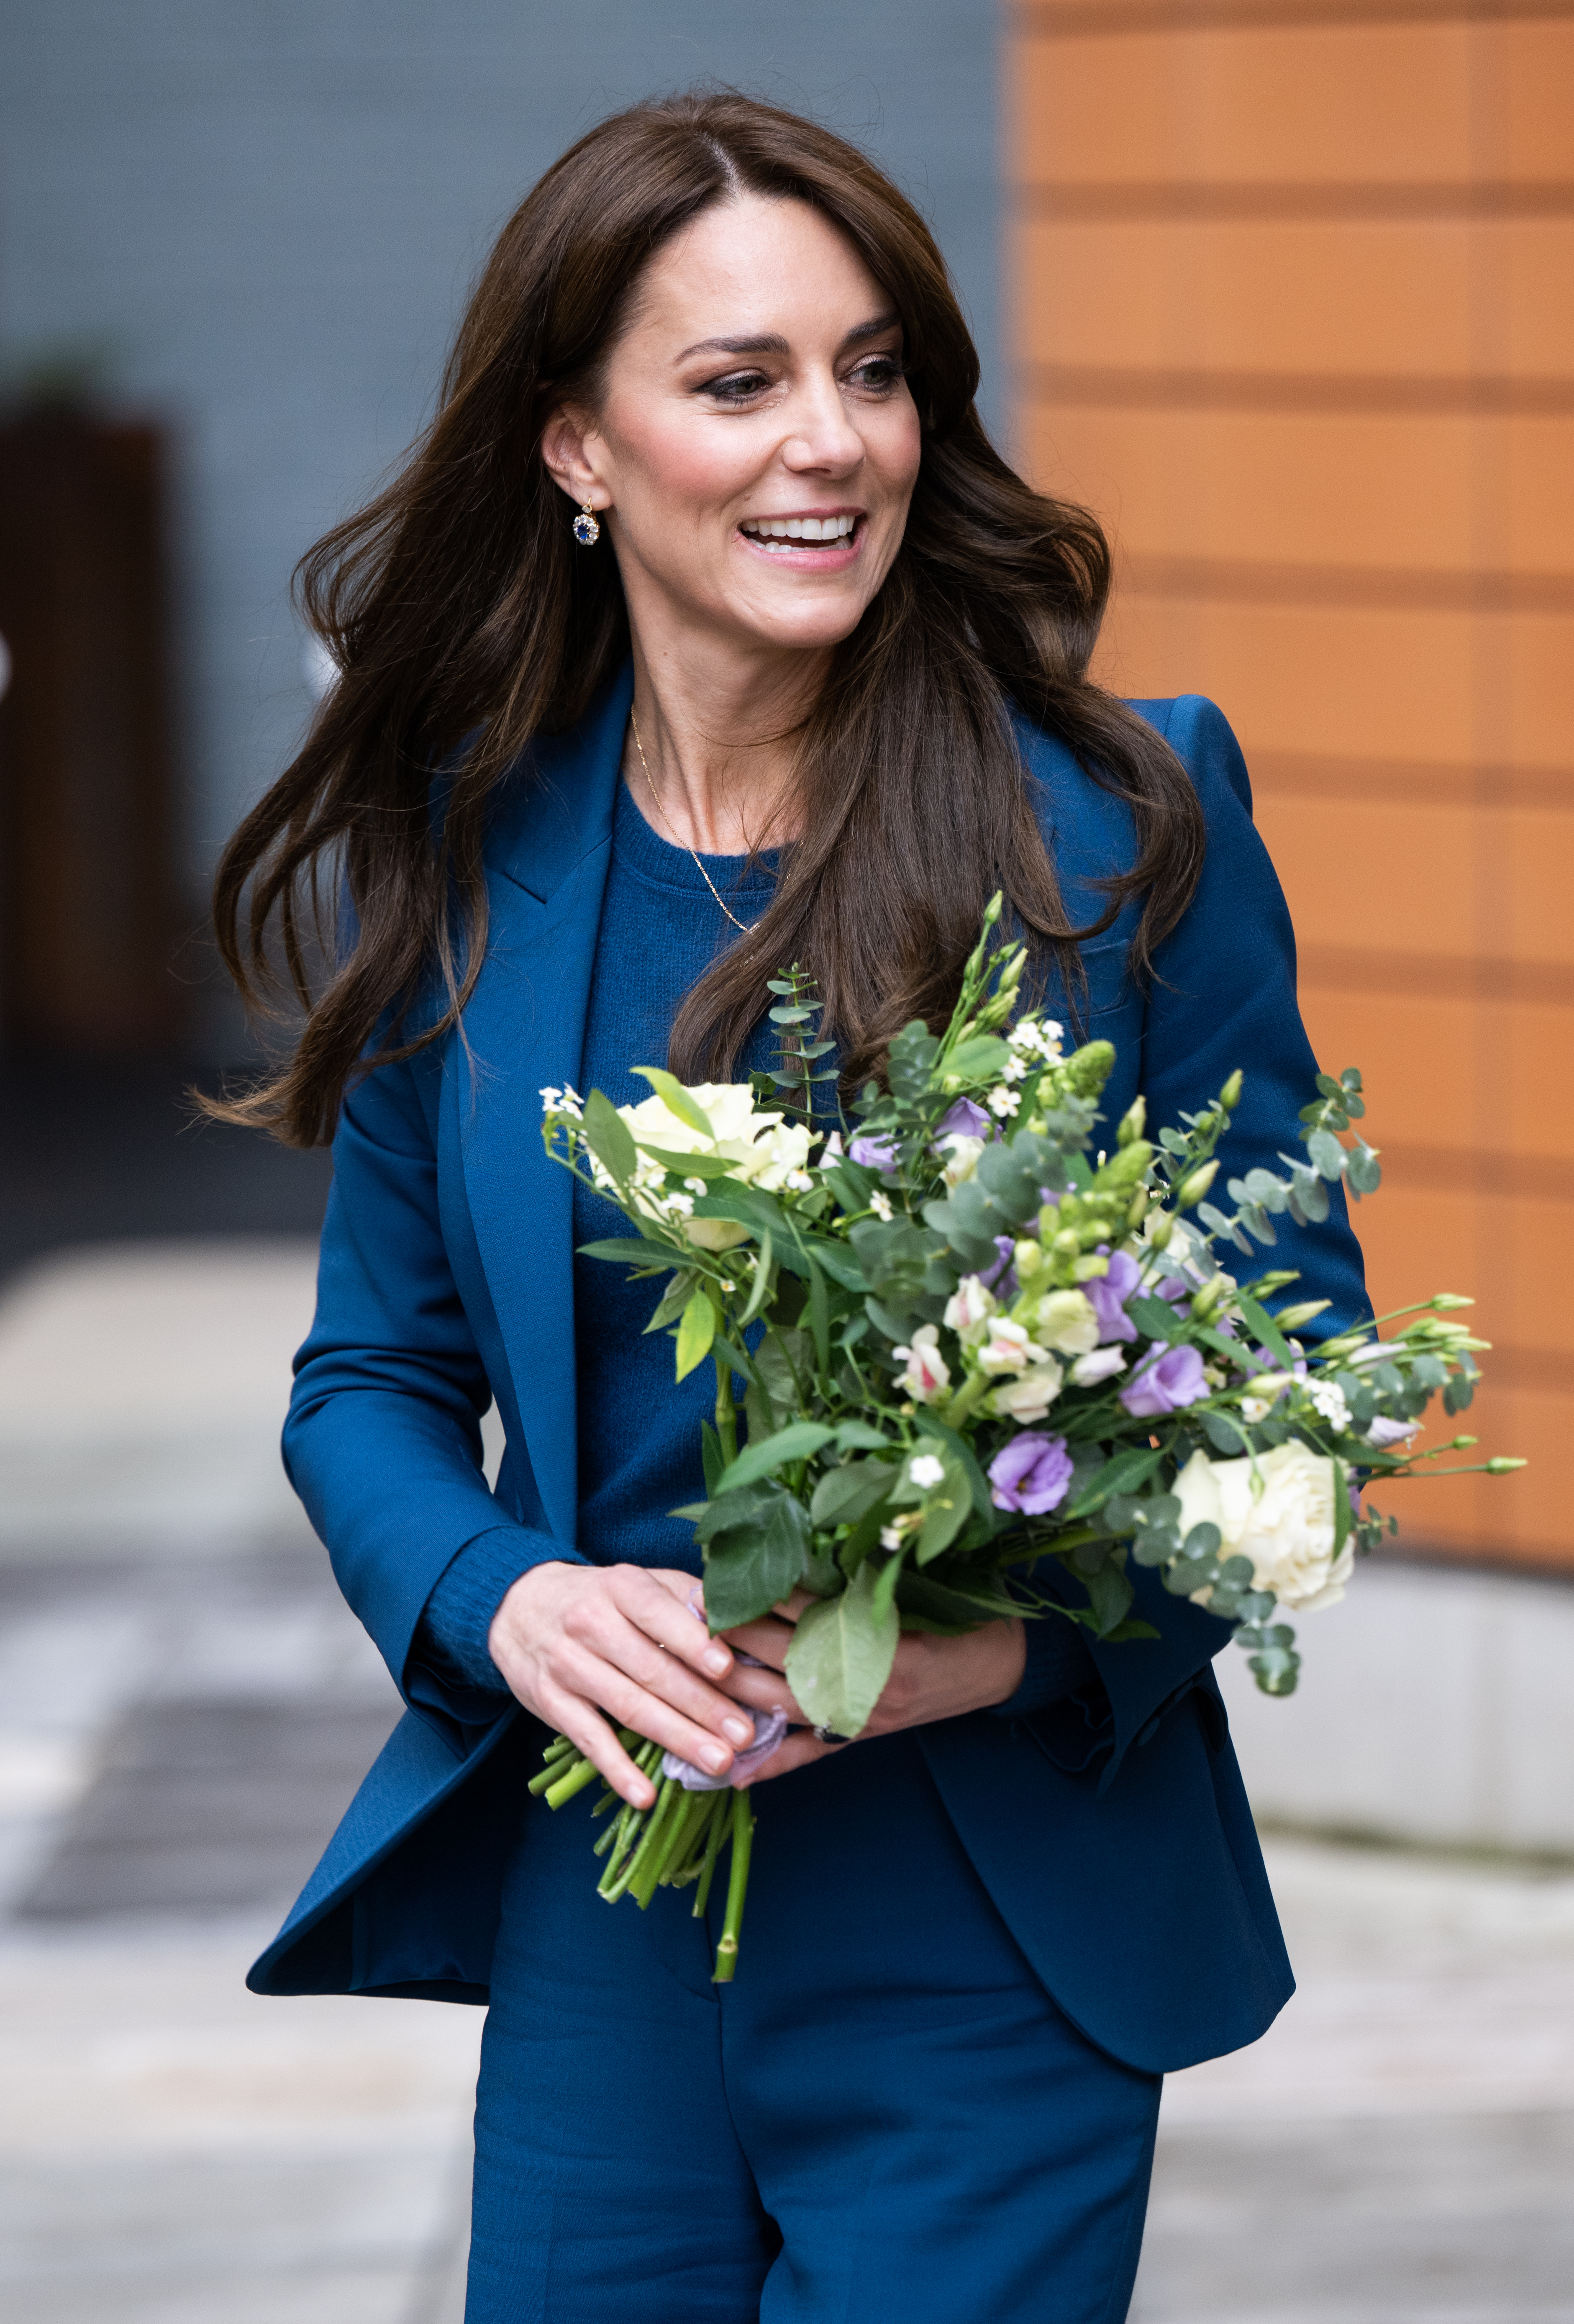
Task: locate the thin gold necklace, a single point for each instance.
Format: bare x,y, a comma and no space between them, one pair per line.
740,926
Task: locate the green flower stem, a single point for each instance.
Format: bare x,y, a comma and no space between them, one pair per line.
742,1822
676,1854
971,1391
720,1818
632,1877
726,1410
564,1788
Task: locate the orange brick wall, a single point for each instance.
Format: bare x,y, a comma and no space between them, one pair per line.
1292,289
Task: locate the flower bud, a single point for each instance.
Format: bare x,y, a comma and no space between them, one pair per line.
1205,1301
1028,1260
1290,1319
1446,1300
993,909
1129,1162
1132,1121
1161,1229
1229,1096
1137,1209
1194,1187
1068,1243
1462,1444
1500,1465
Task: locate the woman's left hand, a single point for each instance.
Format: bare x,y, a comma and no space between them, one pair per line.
932,1678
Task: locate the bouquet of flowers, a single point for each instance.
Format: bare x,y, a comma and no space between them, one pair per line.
977,1347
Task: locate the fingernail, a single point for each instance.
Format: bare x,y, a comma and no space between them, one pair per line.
740,1730
718,1660
714,1758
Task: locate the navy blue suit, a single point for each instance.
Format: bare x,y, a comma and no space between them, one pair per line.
1121,1858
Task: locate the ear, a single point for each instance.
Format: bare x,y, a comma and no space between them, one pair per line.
568,449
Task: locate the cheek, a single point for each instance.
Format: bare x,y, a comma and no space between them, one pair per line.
894,441
669,469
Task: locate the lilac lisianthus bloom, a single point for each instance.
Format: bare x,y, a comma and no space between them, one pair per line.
1002,1279
874,1154
1109,1294
1166,1379
965,1119
1032,1473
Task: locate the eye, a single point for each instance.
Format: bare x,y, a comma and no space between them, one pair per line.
877,374
737,387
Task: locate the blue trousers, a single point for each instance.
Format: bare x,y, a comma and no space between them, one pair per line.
884,2118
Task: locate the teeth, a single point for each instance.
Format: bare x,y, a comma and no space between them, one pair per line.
771,529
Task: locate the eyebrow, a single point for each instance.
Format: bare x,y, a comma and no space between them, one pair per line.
771,342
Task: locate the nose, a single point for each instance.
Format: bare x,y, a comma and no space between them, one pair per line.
821,436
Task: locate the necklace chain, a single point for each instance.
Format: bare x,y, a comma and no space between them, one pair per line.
661,811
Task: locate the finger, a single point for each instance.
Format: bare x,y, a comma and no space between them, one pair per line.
800,1748
651,1603
589,1733
639,1657
767,1641
790,1608
766,1689
650,1715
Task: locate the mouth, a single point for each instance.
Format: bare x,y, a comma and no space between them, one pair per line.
800,538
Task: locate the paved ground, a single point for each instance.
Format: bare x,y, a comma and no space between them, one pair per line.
184,1704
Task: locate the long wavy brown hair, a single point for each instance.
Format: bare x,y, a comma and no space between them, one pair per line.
456,605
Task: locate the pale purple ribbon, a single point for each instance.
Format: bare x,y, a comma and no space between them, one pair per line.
770,1727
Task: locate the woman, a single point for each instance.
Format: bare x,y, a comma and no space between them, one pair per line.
732,641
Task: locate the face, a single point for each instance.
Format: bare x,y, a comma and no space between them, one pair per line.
756,446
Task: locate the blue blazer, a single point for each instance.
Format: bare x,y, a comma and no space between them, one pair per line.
1122,1854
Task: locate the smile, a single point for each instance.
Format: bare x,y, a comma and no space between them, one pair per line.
787,535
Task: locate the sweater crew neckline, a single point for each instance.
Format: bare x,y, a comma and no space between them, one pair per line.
641,849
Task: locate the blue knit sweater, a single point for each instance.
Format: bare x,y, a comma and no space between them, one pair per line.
639,1433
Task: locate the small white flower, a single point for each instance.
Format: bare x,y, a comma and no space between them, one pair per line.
1264,1395
694,1186
1016,1069
1027,1399
928,1375
1004,1101
798,1182
881,1206
1384,1434
1329,1398
890,1536
969,1306
1102,1364
678,1206
727,1285
550,1098
926,1471
1023,1034
1007,1348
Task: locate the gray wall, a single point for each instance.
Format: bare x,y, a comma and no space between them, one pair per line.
265,215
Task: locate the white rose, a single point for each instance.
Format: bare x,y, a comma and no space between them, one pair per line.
1068,1321
962,1157
758,1146
1279,1512
969,1306
1027,1399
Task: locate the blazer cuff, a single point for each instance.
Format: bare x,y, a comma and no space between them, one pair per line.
450,1668
1058,1664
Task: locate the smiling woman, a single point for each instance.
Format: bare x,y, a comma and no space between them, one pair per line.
704,633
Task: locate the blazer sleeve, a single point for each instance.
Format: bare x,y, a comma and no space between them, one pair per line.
382,1442
1223,997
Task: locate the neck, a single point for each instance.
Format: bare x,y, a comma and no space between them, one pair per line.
720,738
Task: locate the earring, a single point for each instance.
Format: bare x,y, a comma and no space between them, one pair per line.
586,530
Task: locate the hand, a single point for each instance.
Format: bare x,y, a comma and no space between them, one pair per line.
576,1641
931,1678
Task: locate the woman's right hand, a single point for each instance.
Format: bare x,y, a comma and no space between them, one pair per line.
575,1642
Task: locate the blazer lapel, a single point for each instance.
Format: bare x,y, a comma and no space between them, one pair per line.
547,869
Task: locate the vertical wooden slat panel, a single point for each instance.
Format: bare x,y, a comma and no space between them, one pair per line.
1294,308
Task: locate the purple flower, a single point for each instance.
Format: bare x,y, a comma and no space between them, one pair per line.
1003,1282
1031,1474
1172,1287
1166,1379
1109,1295
966,1120
874,1154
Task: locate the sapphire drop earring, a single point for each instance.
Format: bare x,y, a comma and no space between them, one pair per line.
586,530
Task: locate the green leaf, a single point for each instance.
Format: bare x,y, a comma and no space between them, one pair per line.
838,1262
1264,1330
695,1332
795,1443
962,1452
1110,1594
857,1436
1157,1318
677,1099
1123,1474
1225,1432
757,1298
843,1495
819,1317
688,1166
981,1059
1328,1155
609,1136
633,1252
842,1654
712,1458
753,1569
1125,1632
